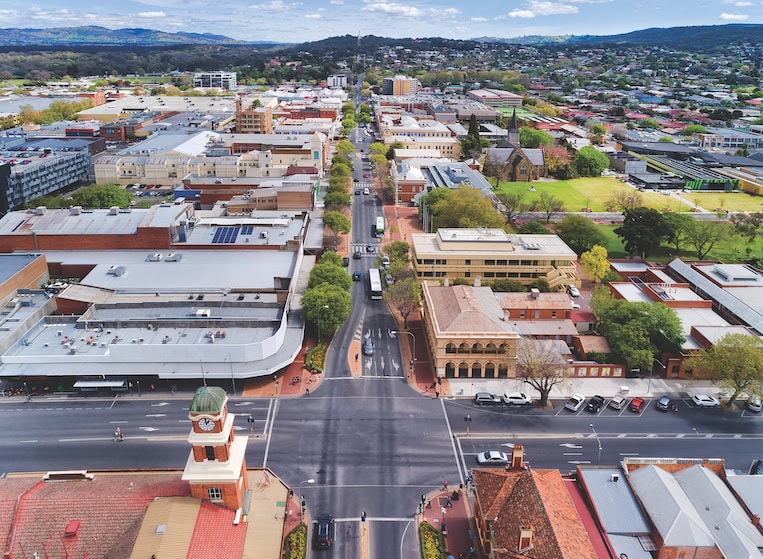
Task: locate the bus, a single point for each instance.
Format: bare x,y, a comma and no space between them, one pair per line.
379,226
375,285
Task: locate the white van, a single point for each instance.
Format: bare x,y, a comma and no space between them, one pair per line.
385,261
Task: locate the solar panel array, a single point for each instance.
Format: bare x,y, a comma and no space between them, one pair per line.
225,235
247,229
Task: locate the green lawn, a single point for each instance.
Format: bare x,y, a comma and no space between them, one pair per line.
730,251
593,192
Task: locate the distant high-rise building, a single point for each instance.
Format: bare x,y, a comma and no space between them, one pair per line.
400,85
337,80
223,80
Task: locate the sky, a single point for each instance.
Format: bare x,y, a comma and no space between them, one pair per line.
308,20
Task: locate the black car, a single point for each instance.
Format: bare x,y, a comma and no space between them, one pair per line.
323,534
345,261
594,404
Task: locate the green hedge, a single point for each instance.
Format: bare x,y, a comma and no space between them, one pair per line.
295,546
432,542
314,357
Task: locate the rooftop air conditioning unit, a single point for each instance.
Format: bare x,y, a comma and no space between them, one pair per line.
155,257
75,210
113,210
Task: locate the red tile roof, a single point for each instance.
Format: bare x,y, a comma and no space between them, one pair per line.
535,498
214,535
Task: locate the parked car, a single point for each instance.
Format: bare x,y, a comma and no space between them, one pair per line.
574,403
573,291
486,399
388,279
705,401
617,402
492,457
368,347
575,307
665,404
754,404
345,261
595,404
516,399
636,405
323,534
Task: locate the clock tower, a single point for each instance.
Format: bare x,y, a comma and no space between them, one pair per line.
216,467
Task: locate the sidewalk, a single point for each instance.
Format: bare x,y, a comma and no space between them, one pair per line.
456,519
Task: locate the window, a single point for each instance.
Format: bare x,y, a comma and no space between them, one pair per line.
214,493
501,262
489,262
468,262
537,314
553,314
210,452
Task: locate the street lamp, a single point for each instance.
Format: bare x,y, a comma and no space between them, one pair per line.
413,354
651,370
302,500
468,420
319,322
598,441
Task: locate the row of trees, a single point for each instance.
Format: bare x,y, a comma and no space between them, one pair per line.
327,300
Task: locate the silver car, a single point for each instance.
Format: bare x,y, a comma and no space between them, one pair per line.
492,457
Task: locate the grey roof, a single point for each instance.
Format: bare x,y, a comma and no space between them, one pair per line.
12,264
731,527
536,156
750,491
628,546
670,508
722,297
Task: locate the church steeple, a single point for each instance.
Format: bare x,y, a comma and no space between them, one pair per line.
513,136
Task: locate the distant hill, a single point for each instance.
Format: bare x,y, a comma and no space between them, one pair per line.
94,35
696,37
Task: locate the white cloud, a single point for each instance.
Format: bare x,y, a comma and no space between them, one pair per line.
151,14
478,19
337,2
393,8
733,17
743,4
521,13
450,12
543,8
312,16
590,1
273,6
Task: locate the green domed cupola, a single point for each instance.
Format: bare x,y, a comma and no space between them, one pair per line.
208,399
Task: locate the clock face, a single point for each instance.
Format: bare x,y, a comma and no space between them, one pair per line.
206,424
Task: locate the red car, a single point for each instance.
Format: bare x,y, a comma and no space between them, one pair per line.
365,175
636,405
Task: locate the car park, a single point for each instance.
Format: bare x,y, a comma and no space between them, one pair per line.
574,403
705,401
595,404
516,399
323,534
492,457
486,399
754,404
368,347
636,405
665,404
617,403
573,291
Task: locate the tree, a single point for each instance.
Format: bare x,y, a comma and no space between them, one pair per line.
549,205
636,331
338,223
702,236
398,251
678,224
590,162
329,273
471,145
533,227
623,199
466,207
533,138
540,365
496,168
599,129
101,196
595,262
736,360
748,225
377,148
390,155
557,160
580,233
328,303
512,204
336,200
642,231
650,123
405,296
345,148
330,257
508,286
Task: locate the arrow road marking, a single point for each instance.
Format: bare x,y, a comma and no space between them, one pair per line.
570,445
148,428
156,415
160,404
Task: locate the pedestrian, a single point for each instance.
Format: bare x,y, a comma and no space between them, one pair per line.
423,498
356,358
443,511
307,391
429,504
445,485
449,502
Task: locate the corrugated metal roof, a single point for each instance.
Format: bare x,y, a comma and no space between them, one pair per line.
616,505
177,517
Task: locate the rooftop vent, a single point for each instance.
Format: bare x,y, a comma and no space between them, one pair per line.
40,210
117,271
113,210
75,210
155,257
173,257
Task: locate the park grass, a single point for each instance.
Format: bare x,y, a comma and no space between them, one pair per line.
593,192
731,251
